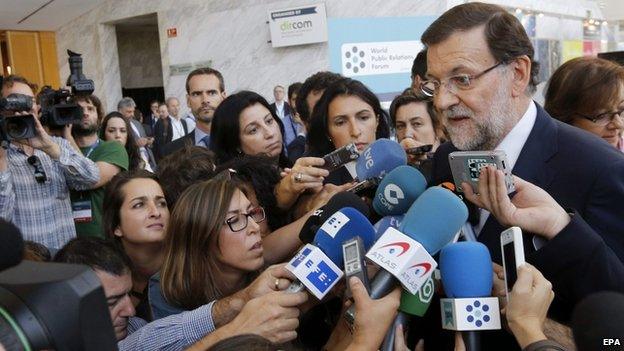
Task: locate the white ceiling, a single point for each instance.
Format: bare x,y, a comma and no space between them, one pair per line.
49,18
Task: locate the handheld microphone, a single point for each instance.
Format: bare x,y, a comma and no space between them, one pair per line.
379,158
318,267
398,190
599,320
11,245
429,224
335,203
466,269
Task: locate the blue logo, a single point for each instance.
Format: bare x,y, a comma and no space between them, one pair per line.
322,277
301,256
478,313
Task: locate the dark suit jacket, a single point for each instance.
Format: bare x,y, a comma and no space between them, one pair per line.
584,173
163,135
187,140
287,109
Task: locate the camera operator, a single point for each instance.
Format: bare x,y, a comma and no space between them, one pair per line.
35,177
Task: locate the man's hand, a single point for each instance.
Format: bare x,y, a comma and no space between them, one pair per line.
274,316
373,318
528,304
531,208
41,141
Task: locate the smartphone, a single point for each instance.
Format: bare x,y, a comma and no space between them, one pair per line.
419,150
512,249
360,187
341,156
467,165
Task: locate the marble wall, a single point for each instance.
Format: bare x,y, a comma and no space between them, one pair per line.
232,35
139,57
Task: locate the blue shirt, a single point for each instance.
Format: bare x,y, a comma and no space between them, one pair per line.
175,332
199,135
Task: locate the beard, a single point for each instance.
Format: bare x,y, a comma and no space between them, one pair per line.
484,132
81,130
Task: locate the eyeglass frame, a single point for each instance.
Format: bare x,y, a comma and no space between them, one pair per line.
470,77
246,216
40,174
595,119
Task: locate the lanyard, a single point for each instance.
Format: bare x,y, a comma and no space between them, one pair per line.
92,148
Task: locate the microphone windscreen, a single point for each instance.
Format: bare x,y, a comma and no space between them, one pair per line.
466,269
341,226
335,203
597,319
398,190
379,158
11,245
387,222
434,218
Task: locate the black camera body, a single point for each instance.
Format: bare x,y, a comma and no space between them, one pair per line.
57,108
16,127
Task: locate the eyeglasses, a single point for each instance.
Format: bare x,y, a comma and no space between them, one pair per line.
604,118
40,175
454,83
239,221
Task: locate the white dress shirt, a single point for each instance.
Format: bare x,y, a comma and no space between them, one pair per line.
177,128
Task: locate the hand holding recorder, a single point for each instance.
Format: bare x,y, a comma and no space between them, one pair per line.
531,208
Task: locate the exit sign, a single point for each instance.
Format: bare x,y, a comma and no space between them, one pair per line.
172,32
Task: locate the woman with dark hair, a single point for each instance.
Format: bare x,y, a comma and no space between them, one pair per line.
245,124
115,127
348,112
213,248
588,92
136,216
416,124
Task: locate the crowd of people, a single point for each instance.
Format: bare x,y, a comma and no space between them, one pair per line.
188,220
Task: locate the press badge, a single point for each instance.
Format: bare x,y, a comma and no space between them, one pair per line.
82,211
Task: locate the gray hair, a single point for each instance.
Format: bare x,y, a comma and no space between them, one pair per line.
126,102
171,98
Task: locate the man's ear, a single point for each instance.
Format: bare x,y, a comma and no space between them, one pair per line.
521,68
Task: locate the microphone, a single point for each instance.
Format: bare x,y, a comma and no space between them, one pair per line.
11,245
411,305
318,267
335,203
387,222
429,224
599,320
466,269
379,158
398,190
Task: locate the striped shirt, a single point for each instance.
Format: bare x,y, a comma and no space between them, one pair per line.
175,332
42,211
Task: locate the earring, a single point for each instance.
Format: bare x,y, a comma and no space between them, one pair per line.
118,233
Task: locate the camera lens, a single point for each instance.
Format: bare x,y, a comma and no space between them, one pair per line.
17,128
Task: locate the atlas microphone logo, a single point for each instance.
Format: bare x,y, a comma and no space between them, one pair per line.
395,247
420,269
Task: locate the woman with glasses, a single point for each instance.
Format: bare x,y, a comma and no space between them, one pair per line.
136,216
115,127
588,92
348,112
213,248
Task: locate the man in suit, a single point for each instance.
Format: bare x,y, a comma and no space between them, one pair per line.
283,110
152,117
481,75
126,107
205,90
170,125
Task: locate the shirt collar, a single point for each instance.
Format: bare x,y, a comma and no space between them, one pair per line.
199,135
514,141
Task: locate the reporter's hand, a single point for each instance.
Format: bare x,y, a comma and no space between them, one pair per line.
265,283
531,208
328,190
408,143
42,140
304,175
274,316
373,318
529,301
142,142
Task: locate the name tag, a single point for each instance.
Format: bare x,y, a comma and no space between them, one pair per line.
81,211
